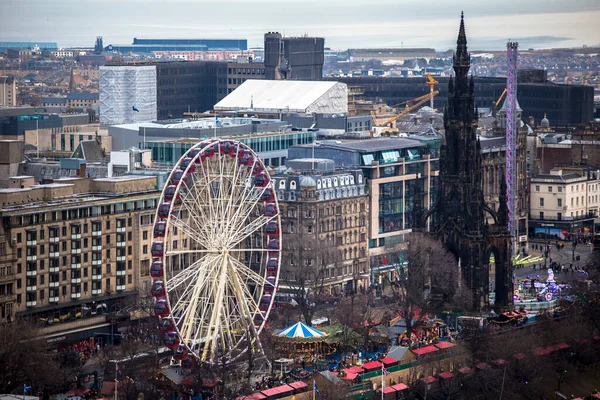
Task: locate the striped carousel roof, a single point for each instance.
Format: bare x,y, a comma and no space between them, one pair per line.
300,331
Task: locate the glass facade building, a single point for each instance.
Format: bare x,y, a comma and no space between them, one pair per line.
271,148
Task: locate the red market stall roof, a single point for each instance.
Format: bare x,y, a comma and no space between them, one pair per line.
429,379
356,369
253,396
499,362
446,375
561,346
540,352
372,365
465,371
298,385
389,361
350,376
78,392
444,345
388,389
277,390
425,350
399,387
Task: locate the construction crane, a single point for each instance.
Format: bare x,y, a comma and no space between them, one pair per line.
431,82
389,123
500,98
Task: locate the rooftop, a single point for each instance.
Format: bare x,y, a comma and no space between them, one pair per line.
372,145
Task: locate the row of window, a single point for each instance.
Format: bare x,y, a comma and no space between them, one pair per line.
84,212
574,201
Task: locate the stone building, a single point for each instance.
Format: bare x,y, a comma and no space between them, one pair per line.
324,217
74,250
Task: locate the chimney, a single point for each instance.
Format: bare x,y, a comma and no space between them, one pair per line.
82,170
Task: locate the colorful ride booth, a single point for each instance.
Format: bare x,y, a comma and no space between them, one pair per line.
300,340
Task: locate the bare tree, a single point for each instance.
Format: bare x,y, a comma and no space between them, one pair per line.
429,279
25,360
305,259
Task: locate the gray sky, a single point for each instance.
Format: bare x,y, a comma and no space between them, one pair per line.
343,23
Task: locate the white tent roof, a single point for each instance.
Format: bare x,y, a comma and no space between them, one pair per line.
287,96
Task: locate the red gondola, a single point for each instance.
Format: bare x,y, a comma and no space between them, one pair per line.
267,195
157,250
227,148
170,192
163,210
272,265
177,177
272,228
161,308
165,325
273,245
180,353
158,289
257,169
270,210
239,151
185,163
261,180
172,340
209,152
265,301
156,269
193,153
159,229
247,159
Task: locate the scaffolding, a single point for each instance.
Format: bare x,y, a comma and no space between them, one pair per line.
127,94
511,139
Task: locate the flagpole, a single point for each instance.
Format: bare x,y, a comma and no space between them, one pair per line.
314,386
382,381
116,380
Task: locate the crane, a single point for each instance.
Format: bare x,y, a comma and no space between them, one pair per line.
389,123
500,98
431,83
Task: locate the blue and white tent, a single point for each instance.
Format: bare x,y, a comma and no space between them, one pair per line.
300,331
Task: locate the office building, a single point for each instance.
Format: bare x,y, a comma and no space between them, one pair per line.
563,104
8,91
293,58
324,219
397,171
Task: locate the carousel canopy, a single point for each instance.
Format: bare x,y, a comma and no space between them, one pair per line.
300,331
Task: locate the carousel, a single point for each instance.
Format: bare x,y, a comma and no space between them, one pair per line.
300,340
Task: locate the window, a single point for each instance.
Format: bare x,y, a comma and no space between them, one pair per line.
145,249
559,216
541,215
560,189
549,189
130,279
559,201
145,235
537,188
541,202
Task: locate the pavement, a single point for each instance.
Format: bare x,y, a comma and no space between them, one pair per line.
562,257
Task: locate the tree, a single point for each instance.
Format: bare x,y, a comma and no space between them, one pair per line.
429,279
25,360
305,259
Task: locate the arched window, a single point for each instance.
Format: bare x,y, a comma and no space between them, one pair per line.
319,184
360,179
282,184
293,185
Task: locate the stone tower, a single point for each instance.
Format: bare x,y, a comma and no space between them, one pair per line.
458,218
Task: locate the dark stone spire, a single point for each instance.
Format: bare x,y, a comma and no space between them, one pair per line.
461,42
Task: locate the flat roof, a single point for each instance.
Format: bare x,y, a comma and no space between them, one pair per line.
371,145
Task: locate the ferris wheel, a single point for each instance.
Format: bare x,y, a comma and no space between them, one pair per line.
216,252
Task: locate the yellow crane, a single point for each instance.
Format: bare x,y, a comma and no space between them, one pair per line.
431,82
389,123
500,98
